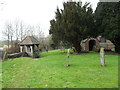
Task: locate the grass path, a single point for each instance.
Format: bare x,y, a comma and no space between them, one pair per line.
49,71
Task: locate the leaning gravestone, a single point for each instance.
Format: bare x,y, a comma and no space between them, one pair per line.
102,57
67,60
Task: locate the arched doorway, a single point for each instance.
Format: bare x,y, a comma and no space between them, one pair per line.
92,43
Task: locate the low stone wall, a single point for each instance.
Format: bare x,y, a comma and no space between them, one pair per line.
20,54
5,56
15,55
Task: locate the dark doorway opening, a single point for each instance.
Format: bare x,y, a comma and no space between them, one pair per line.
91,45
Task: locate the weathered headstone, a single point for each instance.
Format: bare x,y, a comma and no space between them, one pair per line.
68,56
102,57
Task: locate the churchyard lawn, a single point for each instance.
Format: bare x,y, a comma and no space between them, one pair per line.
49,71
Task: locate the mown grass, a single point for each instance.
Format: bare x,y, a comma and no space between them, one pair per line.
49,71
0,74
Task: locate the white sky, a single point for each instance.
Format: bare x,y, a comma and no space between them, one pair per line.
32,12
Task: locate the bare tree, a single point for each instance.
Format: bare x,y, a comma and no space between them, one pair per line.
47,41
6,33
16,30
40,34
11,33
22,30
30,31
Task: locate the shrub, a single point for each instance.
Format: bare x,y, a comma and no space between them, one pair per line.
36,54
13,49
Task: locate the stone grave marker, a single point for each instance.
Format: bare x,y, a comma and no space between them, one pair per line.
102,57
68,56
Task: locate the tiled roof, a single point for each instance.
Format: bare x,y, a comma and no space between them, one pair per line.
29,40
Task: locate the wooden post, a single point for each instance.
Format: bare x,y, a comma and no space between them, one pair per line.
31,48
21,48
68,56
102,57
4,55
26,48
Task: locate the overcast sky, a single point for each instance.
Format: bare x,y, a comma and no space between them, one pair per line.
32,12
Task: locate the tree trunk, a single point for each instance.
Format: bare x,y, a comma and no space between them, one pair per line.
117,49
77,47
11,42
8,41
116,42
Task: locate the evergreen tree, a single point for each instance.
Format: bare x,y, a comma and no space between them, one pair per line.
107,17
73,24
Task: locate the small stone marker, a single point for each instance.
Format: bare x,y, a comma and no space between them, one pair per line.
102,57
67,60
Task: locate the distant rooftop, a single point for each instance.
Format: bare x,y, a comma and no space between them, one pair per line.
29,40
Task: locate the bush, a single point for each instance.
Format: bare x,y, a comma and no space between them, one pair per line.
13,49
36,54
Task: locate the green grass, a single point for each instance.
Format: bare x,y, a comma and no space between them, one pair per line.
49,71
0,75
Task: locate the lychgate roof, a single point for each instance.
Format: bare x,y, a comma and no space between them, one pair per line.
29,40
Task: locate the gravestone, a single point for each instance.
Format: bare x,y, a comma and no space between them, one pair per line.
102,57
68,56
